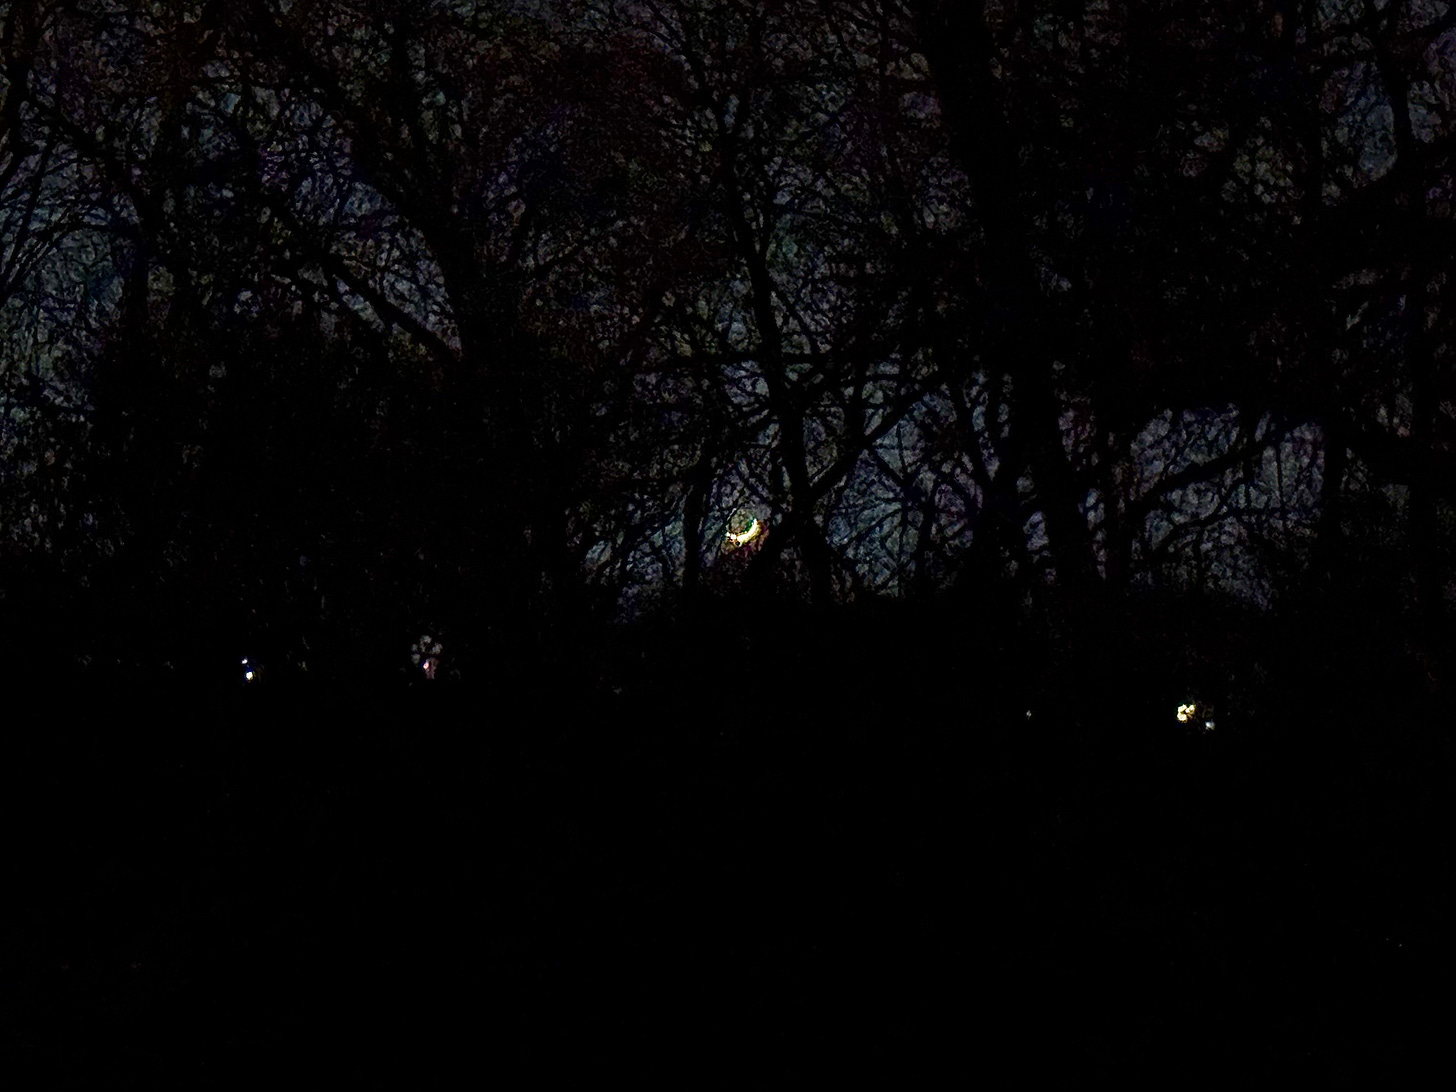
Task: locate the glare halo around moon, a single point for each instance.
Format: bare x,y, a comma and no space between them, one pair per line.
742,538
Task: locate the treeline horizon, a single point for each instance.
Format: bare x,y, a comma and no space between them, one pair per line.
326,326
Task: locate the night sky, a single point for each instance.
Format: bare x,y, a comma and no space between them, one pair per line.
736,543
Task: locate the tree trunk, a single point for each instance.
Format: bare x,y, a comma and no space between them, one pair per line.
959,48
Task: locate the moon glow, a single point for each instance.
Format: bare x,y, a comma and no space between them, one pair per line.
742,538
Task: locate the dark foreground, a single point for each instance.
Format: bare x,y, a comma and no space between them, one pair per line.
690,882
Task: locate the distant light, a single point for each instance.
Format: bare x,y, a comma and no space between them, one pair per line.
248,675
1208,724
1186,712
425,654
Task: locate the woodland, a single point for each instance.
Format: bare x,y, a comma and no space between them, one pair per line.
681,533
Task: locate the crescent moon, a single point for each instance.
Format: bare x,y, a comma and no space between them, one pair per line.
744,537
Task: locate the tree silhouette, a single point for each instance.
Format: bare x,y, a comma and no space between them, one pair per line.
610,495
1044,306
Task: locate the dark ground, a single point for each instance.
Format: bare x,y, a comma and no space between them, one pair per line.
760,868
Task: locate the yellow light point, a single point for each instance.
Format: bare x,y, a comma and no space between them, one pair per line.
1185,713
742,538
